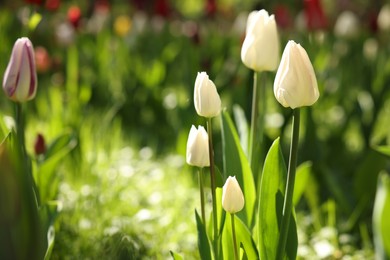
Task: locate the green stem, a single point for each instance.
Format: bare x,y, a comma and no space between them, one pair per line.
212,180
25,158
257,126
201,190
20,127
234,237
254,125
288,199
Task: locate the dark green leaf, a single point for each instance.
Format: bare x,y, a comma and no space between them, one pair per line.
203,241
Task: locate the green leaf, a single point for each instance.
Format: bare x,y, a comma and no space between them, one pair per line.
243,236
383,149
50,242
271,198
176,256
301,180
35,19
46,173
203,241
381,216
236,164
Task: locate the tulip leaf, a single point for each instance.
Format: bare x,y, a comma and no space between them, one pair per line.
243,237
383,149
381,215
301,180
236,164
203,241
176,256
272,188
46,172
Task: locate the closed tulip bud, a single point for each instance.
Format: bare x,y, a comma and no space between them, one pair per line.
198,147
295,83
260,50
20,77
206,98
232,197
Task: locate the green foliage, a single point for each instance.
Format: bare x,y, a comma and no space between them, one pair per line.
236,164
381,215
270,212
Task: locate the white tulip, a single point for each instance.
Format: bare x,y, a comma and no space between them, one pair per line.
206,98
198,147
20,78
295,82
232,197
260,50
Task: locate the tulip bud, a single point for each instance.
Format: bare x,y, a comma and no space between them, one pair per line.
20,77
198,147
260,50
295,81
206,98
39,145
232,197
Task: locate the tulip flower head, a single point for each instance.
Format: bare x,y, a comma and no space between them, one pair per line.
206,98
20,77
260,50
232,197
198,147
295,82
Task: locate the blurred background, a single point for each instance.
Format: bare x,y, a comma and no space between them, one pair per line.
119,76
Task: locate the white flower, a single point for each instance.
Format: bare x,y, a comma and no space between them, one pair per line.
198,147
206,98
295,82
260,50
20,77
232,197
347,25
384,18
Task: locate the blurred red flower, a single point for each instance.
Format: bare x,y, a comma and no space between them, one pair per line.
52,5
34,2
211,8
74,16
283,16
39,145
315,16
162,8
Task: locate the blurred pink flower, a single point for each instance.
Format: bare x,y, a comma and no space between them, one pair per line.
42,59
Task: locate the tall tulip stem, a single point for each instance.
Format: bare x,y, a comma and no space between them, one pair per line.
234,237
212,181
21,139
201,191
288,199
257,126
20,127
